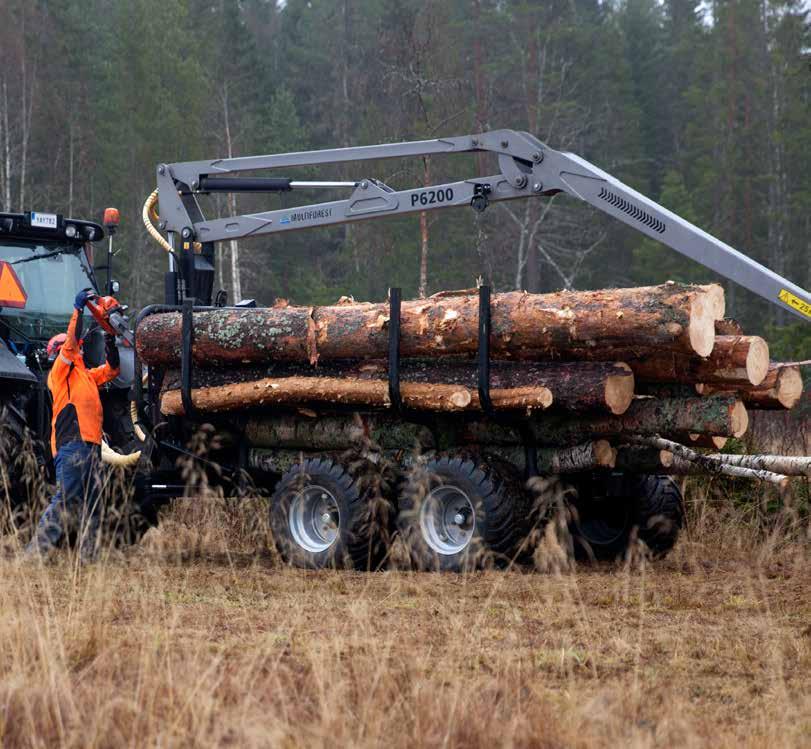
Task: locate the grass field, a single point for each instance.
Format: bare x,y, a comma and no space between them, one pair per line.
194,638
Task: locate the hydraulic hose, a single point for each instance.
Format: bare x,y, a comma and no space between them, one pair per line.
147,215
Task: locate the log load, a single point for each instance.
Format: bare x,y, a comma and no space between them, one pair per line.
735,360
425,385
781,388
565,324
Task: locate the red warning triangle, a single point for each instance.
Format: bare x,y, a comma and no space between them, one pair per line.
12,293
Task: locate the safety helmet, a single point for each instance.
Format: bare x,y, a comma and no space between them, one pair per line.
55,344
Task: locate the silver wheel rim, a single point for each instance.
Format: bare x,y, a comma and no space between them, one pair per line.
314,519
447,520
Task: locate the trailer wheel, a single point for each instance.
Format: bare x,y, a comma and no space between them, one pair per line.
606,514
321,518
458,513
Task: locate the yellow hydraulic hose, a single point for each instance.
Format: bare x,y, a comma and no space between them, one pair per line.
148,213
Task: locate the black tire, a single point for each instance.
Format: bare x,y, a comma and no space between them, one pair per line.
608,513
24,490
489,498
357,540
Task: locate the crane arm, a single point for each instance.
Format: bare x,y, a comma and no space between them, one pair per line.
528,168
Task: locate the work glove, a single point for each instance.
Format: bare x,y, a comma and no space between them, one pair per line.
111,350
81,299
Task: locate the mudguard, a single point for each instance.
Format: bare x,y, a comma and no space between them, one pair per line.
11,368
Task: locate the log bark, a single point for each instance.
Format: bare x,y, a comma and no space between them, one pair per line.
785,464
642,459
781,388
585,457
524,326
710,465
292,391
722,415
711,441
735,360
583,386
728,326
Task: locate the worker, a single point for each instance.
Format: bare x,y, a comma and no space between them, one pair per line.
76,435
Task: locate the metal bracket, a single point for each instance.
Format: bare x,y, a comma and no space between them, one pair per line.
395,397
484,350
186,363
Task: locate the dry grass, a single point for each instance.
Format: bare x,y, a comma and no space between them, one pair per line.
193,638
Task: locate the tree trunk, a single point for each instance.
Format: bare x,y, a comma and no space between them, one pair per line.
787,465
292,391
782,388
585,457
735,360
641,459
712,441
721,415
575,324
575,386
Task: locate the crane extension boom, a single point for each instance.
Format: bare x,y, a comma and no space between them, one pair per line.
528,168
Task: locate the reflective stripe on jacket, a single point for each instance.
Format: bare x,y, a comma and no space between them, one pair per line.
77,412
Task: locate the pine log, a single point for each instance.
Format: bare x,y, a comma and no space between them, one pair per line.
711,441
728,326
710,465
782,388
291,391
581,386
524,326
649,416
380,431
642,459
735,360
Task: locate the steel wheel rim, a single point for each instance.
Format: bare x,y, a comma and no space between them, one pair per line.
447,520
314,519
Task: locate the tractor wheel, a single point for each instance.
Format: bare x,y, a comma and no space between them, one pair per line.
321,516
23,486
607,512
459,513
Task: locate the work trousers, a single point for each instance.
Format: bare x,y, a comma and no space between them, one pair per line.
76,506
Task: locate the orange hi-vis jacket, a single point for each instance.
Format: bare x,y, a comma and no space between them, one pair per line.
77,412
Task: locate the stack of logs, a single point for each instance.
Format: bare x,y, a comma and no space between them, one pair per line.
635,378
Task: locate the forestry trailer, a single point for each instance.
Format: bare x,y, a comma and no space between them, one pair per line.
451,423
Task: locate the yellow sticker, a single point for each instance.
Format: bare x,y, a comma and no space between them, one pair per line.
804,308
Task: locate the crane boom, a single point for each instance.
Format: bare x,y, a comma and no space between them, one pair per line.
528,168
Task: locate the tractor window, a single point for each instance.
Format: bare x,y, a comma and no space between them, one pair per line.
51,282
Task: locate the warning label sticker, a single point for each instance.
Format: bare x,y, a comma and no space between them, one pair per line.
12,293
793,301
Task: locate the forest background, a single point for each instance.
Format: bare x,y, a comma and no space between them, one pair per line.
703,106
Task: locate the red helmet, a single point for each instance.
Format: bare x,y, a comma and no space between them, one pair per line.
55,344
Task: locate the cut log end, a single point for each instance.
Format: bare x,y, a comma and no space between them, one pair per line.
757,360
605,456
619,390
739,419
702,324
789,386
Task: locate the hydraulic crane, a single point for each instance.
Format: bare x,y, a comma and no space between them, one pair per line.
528,168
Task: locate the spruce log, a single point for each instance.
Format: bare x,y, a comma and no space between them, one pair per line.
647,417
711,441
379,431
728,326
735,360
581,386
291,391
524,326
782,388
643,459
720,415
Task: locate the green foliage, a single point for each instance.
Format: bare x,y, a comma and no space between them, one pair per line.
702,106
